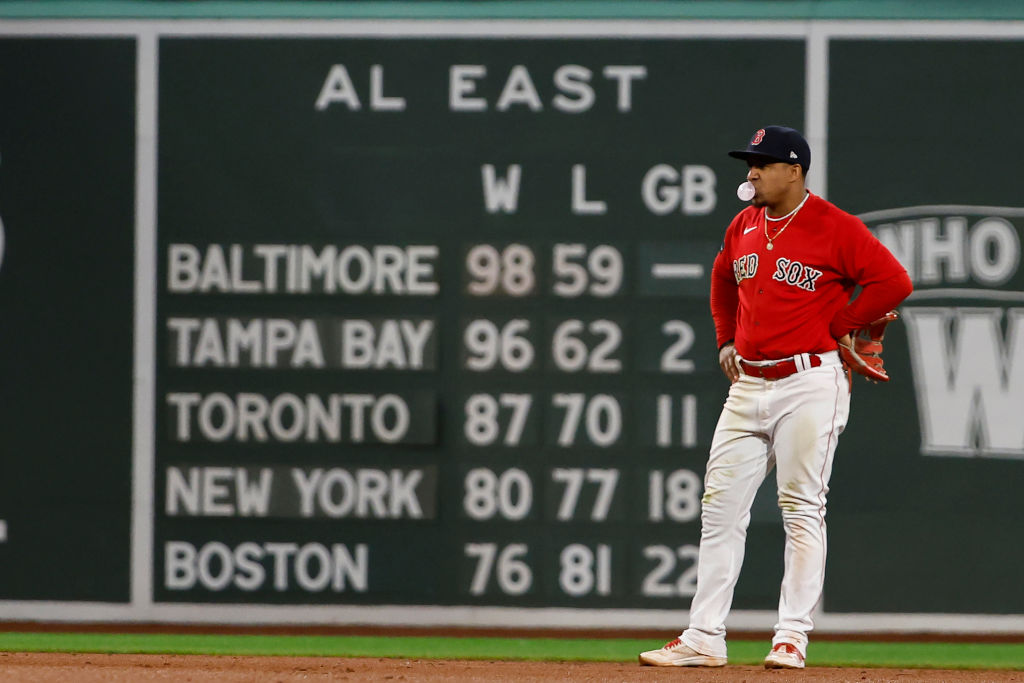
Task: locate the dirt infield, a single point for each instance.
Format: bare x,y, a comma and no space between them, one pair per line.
86,668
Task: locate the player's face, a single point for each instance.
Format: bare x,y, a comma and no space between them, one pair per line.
771,180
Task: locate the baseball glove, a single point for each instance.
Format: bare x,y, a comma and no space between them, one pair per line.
865,356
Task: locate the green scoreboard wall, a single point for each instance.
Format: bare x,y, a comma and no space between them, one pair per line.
67,155
324,317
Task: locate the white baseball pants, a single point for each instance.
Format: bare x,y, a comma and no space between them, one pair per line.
793,424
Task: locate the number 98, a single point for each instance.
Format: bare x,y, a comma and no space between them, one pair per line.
509,271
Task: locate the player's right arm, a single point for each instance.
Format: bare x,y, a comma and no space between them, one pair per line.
729,361
725,298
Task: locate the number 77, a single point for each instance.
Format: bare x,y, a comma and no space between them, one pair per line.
573,479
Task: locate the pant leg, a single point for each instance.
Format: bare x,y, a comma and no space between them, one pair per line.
737,464
812,413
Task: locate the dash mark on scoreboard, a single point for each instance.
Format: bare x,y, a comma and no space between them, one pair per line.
677,271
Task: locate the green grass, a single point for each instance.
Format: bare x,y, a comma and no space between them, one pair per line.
822,653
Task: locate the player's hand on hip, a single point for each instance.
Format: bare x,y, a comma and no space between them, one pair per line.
729,362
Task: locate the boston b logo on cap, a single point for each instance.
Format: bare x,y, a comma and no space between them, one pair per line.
779,143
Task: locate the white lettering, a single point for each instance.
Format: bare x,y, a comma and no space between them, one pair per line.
699,197
337,87
288,417
180,491
398,344
357,343
580,203
179,565
342,503
951,253
214,492
694,196
303,269
182,267
660,197
378,101
214,566
995,251
312,567
625,75
363,493
948,248
238,282
258,343
308,484
416,336
420,271
519,89
574,80
360,282
574,92
501,194
313,557
249,573
969,380
271,255
461,84
183,404
244,339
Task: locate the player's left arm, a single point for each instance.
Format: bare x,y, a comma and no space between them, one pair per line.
874,301
860,325
883,280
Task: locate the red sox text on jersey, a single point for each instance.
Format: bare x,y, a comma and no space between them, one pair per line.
790,272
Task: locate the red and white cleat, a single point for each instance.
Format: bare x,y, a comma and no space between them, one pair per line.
675,653
784,656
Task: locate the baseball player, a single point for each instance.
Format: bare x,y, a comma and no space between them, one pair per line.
781,290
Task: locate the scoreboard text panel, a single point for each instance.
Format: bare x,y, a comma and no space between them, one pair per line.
433,316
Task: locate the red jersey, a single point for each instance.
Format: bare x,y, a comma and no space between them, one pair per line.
795,298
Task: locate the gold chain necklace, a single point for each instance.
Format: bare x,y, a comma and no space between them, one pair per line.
799,206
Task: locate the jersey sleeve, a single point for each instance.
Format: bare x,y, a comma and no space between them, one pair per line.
725,295
883,280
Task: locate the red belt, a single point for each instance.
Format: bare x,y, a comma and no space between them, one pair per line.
783,368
